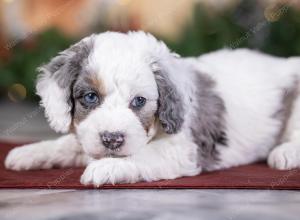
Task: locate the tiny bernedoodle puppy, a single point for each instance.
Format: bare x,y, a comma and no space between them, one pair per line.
134,111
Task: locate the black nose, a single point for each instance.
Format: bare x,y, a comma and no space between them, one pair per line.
112,140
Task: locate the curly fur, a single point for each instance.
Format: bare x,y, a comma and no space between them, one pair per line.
219,110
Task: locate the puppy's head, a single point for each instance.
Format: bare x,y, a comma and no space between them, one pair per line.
113,90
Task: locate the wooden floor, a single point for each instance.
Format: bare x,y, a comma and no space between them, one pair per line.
25,122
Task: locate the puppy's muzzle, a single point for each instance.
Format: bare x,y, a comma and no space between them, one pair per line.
112,140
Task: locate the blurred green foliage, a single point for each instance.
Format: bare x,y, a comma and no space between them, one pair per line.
207,32
21,68
284,36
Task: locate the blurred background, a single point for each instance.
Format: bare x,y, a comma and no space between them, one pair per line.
32,31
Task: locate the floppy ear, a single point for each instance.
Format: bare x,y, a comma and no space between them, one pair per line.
55,81
170,105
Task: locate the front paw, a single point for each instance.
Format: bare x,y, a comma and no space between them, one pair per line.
110,171
285,157
26,158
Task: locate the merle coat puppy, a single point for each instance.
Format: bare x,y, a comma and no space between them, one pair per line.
134,111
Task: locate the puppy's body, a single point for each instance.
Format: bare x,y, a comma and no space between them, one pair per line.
223,109
260,96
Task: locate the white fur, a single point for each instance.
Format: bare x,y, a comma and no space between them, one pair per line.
251,85
110,119
56,109
161,159
63,152
287,155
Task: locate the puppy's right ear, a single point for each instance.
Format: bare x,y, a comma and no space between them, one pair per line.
55,81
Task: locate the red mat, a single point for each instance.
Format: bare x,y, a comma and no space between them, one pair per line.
256,176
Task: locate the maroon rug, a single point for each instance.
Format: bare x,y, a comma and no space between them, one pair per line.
256,176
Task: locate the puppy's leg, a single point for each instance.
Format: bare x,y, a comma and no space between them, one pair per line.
287,155
63,152
167,158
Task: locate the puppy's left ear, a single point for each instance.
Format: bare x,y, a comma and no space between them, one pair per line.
170,105
55,81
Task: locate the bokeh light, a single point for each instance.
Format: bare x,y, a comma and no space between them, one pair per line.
17,92
273,14
124,2
8,1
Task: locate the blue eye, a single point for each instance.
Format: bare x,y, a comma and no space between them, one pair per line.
91,98
138,102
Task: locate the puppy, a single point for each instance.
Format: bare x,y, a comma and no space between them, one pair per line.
135,111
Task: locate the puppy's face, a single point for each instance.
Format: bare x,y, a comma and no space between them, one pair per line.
111,91
115,105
